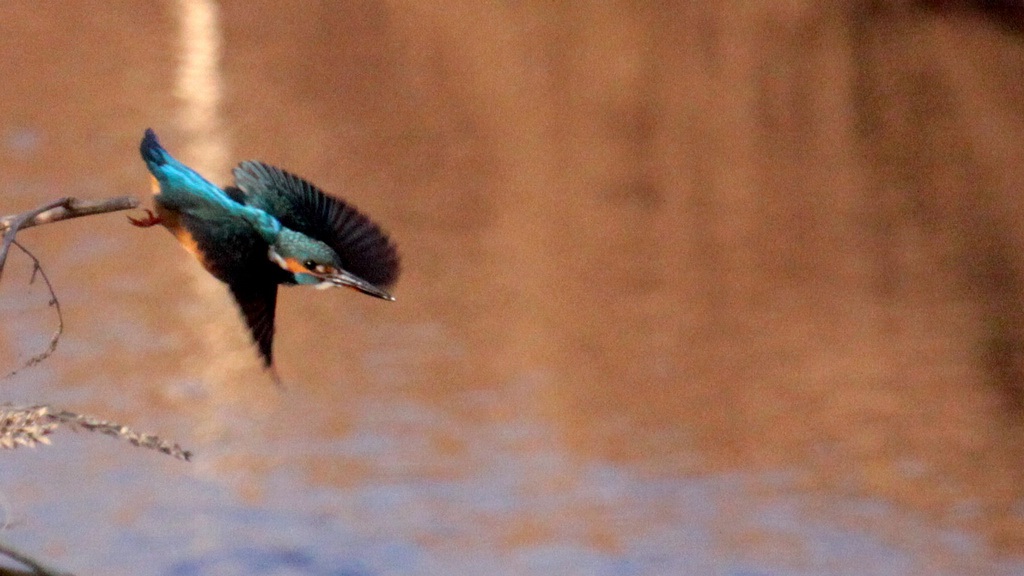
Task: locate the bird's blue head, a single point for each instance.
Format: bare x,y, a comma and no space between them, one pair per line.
313,262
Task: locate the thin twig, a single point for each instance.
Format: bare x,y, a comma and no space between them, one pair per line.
38,269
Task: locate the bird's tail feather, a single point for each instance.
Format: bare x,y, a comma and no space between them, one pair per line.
161,163
152,152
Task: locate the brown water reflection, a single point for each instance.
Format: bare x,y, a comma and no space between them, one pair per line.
727,289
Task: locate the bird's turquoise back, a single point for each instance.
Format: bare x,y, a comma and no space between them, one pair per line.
183,190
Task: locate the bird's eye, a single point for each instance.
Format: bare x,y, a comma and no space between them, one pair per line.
309,264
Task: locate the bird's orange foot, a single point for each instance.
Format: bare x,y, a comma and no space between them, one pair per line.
150,220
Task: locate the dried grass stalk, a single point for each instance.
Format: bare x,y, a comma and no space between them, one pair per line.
28,426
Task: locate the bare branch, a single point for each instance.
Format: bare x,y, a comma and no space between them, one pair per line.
55,211
64,209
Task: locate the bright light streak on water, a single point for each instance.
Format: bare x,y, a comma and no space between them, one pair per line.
225,352
198,86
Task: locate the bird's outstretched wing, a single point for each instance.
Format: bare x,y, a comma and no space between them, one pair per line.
363,247
257,301
237,256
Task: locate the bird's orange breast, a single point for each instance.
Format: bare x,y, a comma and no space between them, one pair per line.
172,222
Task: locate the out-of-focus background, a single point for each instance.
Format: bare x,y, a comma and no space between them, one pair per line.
689,288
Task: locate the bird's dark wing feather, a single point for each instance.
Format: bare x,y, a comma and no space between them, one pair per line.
235,194
257,301
237,256
363,247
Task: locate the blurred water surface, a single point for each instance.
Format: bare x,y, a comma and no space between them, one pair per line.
724,290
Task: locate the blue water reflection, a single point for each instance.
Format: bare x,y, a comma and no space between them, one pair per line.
96,506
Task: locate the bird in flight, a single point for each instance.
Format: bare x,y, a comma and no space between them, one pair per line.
270,228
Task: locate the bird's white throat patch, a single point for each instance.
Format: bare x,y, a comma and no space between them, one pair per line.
276,258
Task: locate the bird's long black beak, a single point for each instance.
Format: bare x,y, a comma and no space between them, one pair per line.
343,278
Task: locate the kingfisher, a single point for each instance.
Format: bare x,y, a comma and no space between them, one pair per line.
271,228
